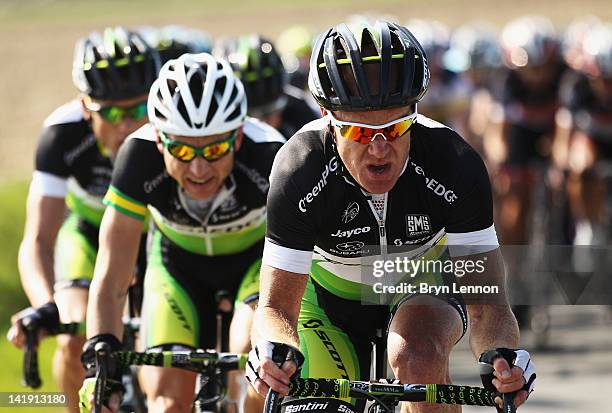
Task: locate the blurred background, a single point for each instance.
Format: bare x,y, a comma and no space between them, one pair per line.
572,343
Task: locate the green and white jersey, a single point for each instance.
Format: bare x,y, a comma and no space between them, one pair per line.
231,222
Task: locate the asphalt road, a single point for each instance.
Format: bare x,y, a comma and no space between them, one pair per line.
574,372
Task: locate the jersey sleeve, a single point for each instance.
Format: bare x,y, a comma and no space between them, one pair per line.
52,167
469,224
50,151
291,230
137,163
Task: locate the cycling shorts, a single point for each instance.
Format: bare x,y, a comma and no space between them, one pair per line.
180,290
336,334
76,248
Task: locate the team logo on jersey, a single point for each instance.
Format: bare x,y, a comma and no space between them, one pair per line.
229,204
350,246
349,232
350,212
417,224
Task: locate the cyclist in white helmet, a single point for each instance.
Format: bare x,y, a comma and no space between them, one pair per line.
200,170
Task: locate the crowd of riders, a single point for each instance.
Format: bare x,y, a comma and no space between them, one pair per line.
533,99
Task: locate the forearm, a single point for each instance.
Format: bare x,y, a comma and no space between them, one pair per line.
36,270
271,324
119,242
105,308
492,326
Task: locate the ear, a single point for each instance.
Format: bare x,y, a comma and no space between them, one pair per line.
86,112
158,142
323,111
239,137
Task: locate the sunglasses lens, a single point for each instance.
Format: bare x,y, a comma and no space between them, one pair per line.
112,114
139,111
115,114
216,150
399,129
183,152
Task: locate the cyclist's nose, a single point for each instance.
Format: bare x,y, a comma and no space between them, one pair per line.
128,125
379,147
198,166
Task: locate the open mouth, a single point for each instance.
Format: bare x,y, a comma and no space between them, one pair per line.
379,169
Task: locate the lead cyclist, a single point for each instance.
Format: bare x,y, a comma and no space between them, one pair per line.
368,175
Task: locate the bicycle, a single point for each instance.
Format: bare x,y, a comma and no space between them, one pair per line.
210,364
386,394
31,374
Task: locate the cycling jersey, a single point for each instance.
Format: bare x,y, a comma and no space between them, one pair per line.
198,248
69,163
526,104
529,113
590,114
443,196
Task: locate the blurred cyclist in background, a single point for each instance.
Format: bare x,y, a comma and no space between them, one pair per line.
518,142
474,54
172,41
521,138
584,130
257,64
447,98
295,47
113,71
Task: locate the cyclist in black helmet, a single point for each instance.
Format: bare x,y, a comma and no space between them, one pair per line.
271,99
173,41
113,71
368,181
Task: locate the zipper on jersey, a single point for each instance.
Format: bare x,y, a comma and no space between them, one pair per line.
223,195
382,233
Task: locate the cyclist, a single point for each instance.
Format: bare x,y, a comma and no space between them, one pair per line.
295,47
447,98
474,54
271,99
584,128
113,71
521,138
201,169
342,187
174,40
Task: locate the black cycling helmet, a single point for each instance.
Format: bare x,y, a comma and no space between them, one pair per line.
174,40
260,68
117,64
364,66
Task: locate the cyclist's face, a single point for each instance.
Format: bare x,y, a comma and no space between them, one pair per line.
375,166
200,178
111,136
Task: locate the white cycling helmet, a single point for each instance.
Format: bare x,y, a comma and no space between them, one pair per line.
197,95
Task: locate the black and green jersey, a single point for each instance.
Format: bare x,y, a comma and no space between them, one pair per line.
70,163
236,218
198,248
320,222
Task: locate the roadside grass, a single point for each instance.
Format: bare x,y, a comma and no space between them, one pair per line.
13,197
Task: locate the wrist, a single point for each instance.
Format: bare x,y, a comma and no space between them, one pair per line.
88,357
